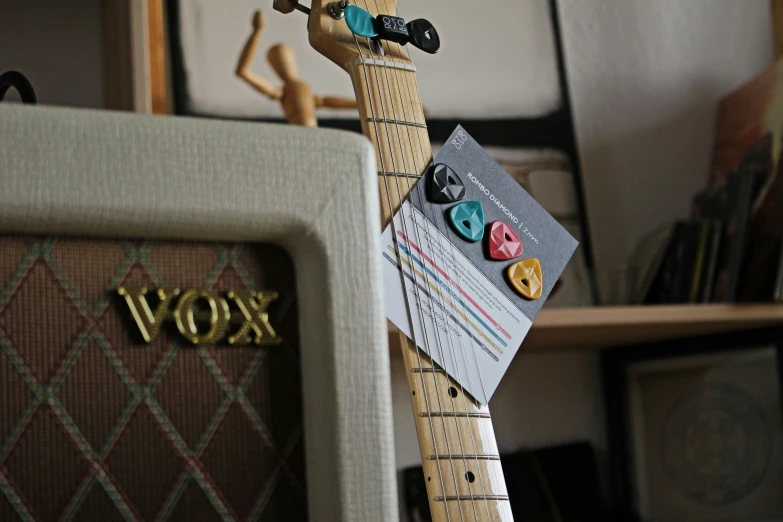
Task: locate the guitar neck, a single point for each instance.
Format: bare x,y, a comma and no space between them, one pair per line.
456,438
393,119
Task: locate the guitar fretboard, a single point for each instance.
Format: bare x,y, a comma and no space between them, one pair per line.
393,119
459,453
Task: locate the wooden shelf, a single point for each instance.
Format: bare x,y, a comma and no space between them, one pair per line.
575,329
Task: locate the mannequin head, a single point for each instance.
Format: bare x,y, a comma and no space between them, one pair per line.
283,60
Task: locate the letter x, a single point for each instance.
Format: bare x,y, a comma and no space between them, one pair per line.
253,306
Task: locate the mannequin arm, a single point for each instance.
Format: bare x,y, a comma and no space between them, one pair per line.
335,102
259,83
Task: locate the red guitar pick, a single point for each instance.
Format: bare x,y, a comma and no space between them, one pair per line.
504,244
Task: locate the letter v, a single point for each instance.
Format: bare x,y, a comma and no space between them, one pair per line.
149,322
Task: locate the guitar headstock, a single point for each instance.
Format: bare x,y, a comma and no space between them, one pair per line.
329,33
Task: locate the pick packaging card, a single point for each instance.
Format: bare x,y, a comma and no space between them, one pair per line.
447,293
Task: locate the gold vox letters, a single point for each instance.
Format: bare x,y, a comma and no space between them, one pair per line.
207,308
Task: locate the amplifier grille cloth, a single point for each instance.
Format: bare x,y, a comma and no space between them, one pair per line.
96,426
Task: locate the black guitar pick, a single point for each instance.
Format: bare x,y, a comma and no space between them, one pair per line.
444,185
422,34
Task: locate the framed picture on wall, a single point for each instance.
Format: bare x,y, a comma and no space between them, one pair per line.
696,428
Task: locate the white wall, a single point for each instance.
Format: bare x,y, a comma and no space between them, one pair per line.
57,45
645,76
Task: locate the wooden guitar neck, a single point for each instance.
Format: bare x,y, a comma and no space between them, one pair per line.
460,456
459,452
457,441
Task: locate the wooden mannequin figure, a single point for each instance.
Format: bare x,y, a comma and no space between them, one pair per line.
296,97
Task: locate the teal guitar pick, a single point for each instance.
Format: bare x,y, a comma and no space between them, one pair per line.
360,22
468,220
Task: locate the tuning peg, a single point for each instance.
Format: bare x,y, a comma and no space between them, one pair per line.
337,9
424,36
289,6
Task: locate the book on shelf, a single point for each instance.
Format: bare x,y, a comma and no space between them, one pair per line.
708,285
732,204
778,291
697,282
664,287
685,265
748,142
686,272
645,262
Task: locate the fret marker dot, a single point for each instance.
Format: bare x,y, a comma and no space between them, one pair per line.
429,479
453,392
470,477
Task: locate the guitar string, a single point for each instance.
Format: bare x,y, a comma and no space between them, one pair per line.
486,432
378,82
462,348
400,197
399,258
479,423
436,329
482,480
419,300
407,77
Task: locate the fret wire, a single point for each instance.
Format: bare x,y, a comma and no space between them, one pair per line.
471,497
428,370
463,457
459,414
386,64
400,174
398,122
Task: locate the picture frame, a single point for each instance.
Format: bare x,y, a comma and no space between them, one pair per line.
694,428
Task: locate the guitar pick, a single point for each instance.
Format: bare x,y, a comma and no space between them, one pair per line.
424,36
526,278
468,220
360,22
504,244
445,186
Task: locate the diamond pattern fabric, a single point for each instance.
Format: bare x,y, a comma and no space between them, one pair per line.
96,426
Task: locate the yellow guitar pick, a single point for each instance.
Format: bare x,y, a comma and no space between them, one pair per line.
526,278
